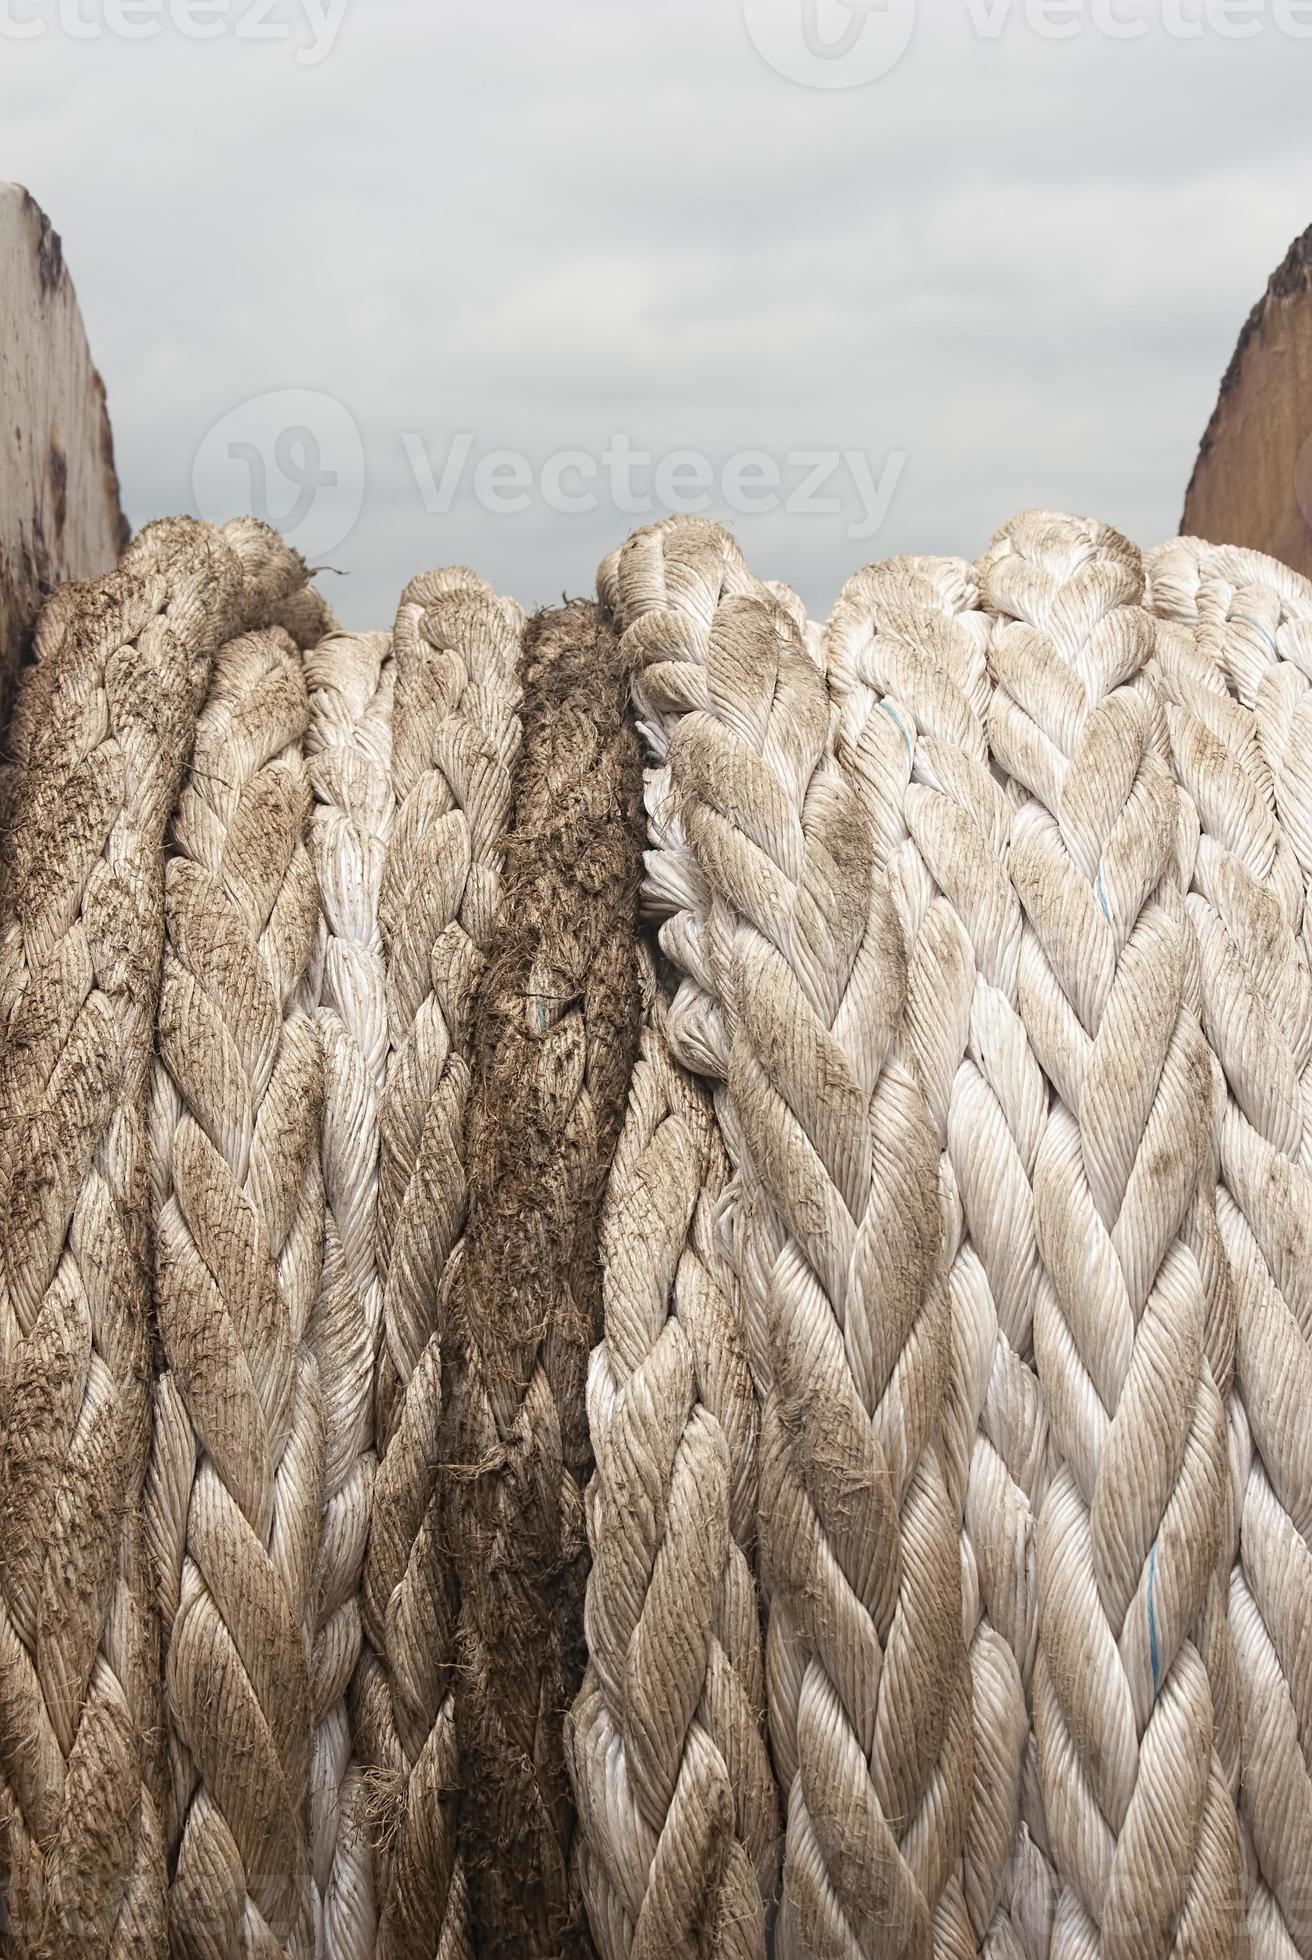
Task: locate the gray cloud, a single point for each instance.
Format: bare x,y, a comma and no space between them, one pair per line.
1020,263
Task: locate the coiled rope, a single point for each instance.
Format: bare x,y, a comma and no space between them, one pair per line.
1141,1822
235,1114
869,1693
906,652
1234,716
935,1190
349,749
677,1804
555,1031
455,736
101,742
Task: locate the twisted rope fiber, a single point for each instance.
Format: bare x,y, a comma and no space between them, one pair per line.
802,962
1141,1821
906,652
102,737
456,733
677,1808
555,1034
349,749
1248,905
237,1472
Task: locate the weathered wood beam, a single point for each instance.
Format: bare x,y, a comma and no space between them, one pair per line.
1252,483
59,500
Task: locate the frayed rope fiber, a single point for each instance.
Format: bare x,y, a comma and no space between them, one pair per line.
555,1034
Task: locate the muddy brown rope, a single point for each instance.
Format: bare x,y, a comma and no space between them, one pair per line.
104,735
555,1030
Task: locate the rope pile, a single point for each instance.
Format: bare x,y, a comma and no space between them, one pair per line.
656,1262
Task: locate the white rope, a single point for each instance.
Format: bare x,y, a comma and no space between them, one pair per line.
1141,1823
678,1814
1238,759
906,652
795,973
349,751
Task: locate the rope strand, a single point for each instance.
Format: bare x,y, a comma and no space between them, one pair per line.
555,1030
906,652
1248,904
238,1461
455,736
677,1806
102,736
802,960
1141,1823
349,751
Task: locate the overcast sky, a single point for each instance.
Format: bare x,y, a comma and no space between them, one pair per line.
430,280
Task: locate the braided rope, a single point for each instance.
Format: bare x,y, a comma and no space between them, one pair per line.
801,957
677,1808
456,732
1248,905
101,739
349,751
1141,1822
237,1473
556,1027
906,652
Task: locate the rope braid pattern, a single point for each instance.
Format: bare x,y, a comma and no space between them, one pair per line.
1235,758
801,959
238,1461
102,738
1141,1822
456,733
677,1809
906,652
349,751
556,1029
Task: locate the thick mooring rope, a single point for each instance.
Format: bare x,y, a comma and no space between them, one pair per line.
349,749
803,956
239,1444
677,1805
102,739
555,1031
753,1406
1233,718
906,651
455,736
1141,1822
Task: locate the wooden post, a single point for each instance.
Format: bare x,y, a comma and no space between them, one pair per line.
59,506
1252,483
